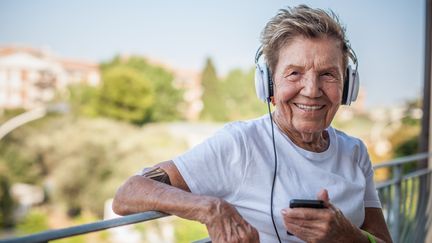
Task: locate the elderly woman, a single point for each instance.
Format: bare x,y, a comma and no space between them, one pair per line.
239,182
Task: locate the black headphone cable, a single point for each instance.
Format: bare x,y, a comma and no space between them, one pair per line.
275,171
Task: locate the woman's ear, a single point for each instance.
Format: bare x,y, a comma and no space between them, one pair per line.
273,101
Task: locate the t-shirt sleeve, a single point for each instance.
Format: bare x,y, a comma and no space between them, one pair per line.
371,199
215,167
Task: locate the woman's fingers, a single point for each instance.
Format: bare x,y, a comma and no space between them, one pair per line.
229,226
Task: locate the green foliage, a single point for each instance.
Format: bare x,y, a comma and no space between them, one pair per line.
405,139
239,98
230,98
188,231
9,113
408,147
185,231
139,85
34,222
132,90
125,95
20,166
212,96
85,159
23,165
82,187
83,99
7,204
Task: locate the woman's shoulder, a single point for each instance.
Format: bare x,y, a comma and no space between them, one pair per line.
247,126
346,139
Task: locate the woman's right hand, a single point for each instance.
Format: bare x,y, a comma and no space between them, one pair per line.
225,224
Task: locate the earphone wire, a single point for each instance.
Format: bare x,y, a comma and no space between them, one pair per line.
275,171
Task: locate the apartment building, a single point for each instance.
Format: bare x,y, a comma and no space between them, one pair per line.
31,76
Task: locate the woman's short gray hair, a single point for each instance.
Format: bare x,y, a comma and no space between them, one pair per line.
301,21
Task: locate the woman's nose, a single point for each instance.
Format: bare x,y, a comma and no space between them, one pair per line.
311,87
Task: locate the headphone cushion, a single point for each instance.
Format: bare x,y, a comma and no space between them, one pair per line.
262,81
351,86
356,86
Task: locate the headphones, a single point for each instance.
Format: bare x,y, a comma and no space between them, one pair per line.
264,82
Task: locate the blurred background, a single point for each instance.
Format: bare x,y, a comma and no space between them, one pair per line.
92,92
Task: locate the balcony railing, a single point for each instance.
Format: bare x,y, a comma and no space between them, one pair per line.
405,199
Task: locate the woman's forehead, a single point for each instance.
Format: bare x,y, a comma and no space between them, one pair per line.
311,52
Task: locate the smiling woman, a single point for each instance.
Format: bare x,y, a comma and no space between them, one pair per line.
240,181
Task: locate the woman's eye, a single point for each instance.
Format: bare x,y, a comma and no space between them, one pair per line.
329,77
292,74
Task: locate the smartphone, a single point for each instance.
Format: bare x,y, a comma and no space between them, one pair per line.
305,203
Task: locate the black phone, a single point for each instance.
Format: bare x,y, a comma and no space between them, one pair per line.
305,203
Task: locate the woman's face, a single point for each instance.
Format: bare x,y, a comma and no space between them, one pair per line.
308,84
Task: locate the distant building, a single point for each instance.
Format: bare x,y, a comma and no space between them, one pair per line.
30,76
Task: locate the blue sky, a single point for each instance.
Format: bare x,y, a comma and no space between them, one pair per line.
387,35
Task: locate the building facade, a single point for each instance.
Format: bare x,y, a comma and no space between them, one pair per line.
30,77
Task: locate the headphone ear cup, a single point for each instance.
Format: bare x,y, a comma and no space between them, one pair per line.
262,81
346,87
356,85
351,86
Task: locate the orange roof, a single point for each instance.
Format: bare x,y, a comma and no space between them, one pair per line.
78,64
8,50
70,64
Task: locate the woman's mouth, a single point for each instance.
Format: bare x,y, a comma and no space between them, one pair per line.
309,107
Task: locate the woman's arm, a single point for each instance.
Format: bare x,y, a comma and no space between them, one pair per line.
139,194
375,224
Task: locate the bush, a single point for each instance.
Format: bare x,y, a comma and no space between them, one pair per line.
34,222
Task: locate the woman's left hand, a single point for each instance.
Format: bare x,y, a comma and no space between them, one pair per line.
320,225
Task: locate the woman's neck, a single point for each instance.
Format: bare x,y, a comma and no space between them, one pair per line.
315,142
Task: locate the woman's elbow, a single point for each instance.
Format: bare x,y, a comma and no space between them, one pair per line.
118,205
121,198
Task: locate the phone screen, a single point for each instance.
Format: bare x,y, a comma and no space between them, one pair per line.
306,203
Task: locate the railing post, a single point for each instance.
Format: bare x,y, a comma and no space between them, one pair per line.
397,176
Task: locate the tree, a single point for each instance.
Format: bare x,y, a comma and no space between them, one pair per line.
230,98
240,100
166,99
406,138
7,204
212,99
82,99
126,95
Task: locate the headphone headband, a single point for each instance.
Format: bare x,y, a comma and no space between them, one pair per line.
258,53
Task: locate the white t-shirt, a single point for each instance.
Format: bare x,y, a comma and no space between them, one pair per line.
237,164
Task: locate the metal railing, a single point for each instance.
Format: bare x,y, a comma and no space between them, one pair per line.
405,199
86,228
